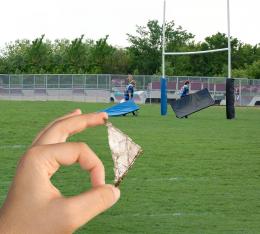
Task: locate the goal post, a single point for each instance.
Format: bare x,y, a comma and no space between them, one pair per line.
164,53
163,79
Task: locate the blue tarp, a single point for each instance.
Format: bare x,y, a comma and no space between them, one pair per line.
121,108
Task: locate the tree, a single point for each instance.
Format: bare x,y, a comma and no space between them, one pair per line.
253,70
146,48
76,57
59,56
117,62
143,56
38,56
14,59
101,54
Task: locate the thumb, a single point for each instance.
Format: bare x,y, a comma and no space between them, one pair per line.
87,205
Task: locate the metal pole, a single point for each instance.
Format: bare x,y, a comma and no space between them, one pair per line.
85,93
72,87
9,85
109,83
240,94
22,82
59,91
163,41
229,41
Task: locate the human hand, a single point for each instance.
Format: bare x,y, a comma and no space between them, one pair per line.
34,204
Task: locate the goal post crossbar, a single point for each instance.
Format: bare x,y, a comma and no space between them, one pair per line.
196,52
164,80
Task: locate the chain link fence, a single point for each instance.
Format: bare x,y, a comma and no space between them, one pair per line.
110,87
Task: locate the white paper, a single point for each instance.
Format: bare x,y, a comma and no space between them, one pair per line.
124,152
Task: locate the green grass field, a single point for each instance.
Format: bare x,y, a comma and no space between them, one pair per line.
197,175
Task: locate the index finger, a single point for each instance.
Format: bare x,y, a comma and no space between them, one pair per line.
73,113
51,157
62,129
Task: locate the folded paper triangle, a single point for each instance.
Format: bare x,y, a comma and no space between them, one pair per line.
124,152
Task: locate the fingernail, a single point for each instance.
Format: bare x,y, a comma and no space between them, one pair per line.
77,111
106,115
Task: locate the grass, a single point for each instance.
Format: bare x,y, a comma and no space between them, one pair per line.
197,175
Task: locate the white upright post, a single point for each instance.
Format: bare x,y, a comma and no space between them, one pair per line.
229,41
163,41
163,78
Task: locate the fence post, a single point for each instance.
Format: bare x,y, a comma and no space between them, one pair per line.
240,94
84,86
9,85
109,82
22,81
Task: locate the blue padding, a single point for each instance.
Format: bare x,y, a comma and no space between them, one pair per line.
192,103
121,108
163,96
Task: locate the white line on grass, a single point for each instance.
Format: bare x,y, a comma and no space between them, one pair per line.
196,178
161,215
12,146
158,215
157,179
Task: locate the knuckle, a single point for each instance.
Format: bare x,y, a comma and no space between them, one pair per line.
70,217
82,145
105,198
30,153
30,156
59,125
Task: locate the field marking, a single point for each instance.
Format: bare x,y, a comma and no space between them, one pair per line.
199,178
161,215
13,146
158,215
156,179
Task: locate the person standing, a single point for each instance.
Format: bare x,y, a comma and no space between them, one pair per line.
129,91
185,90
237,94
129,78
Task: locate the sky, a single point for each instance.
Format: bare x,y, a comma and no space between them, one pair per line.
57,19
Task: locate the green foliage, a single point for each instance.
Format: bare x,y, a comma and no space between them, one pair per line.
239,73
215,61
15,57
102,54
145,49
38,55
253,70
75,56
143,56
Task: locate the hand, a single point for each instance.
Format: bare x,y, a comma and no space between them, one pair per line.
34,204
